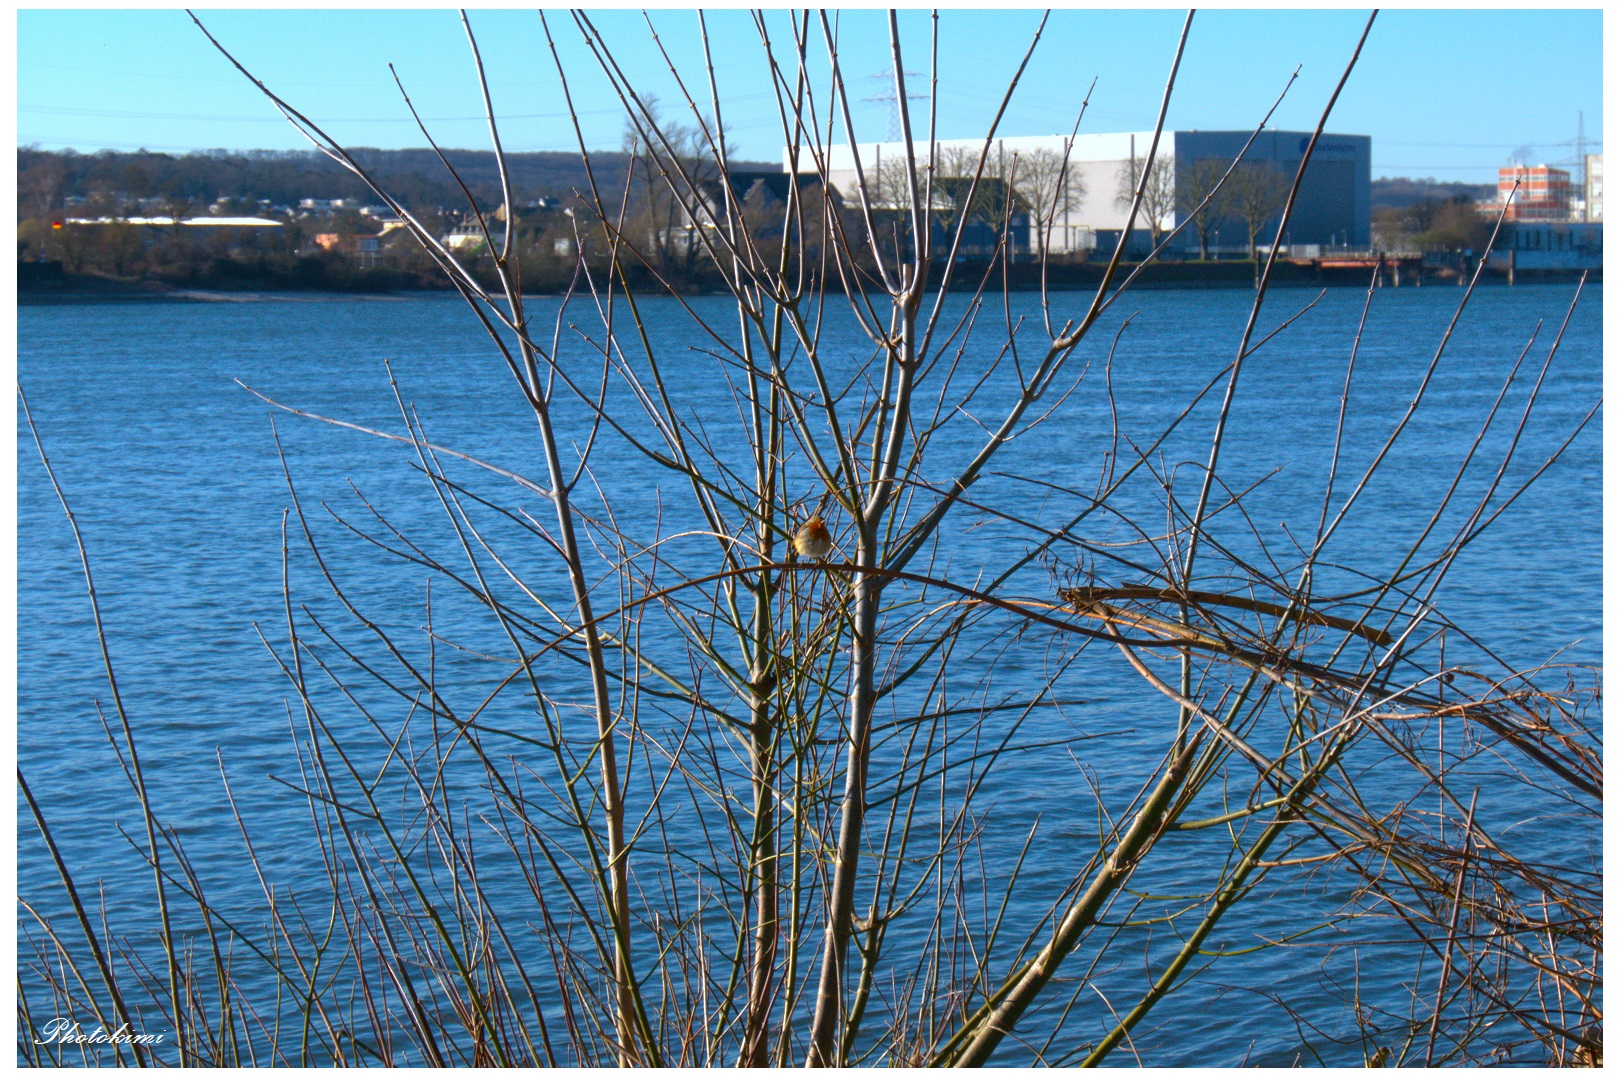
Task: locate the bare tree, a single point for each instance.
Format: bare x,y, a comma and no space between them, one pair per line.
674,189
958,169
1052,187
1203,198
968,184
40,187
889,186
997,201
1257,191
1156,194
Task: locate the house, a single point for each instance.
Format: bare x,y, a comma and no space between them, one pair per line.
366,248
466,237
761,195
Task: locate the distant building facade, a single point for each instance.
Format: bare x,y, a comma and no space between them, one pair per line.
364,247
1594,187
762,191
1541,193
1552,245
201,222
1333,201
467,235
1332,208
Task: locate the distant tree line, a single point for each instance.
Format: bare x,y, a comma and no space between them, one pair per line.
1451,224
1428,215
45,178
1402,191
221,257
110,184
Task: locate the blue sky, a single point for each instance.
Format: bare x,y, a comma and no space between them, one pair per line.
1445,93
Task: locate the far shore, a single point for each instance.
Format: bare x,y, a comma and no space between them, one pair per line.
48,283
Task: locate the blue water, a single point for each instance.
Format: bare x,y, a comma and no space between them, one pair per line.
173,472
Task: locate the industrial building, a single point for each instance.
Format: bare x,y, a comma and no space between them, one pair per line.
1541,193
1551,223
1552,245
1332,209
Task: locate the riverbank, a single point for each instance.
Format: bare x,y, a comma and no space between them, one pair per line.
1241,274
49,283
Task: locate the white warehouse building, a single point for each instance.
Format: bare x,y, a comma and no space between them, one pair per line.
1333,204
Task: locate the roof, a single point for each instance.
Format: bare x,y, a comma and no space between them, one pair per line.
776,182
239,222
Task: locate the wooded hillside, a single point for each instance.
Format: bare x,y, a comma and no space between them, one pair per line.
45,178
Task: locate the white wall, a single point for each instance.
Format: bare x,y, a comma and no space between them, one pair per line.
1101,160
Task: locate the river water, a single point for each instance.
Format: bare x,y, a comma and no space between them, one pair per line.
173,471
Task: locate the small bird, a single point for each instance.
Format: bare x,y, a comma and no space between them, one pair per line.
812,541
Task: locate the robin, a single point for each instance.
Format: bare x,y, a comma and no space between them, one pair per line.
812,541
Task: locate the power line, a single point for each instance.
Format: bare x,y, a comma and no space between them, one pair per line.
41,141
1467,146
120,114
382,82
125,115
1490,166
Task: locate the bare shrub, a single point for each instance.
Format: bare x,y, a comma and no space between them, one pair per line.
729,805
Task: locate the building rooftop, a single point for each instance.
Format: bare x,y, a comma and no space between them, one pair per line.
238,222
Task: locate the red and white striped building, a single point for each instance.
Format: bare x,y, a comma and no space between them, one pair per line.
1543,193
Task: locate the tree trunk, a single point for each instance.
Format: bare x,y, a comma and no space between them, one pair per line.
766,932
824,1035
